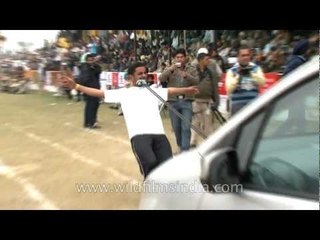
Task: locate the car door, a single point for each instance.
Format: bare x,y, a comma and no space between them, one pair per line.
278,155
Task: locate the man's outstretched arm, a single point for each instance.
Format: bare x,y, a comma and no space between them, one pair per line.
70,83
184,90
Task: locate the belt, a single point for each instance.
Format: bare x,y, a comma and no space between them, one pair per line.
181,96
199,100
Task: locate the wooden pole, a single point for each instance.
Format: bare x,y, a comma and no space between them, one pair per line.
135,44
185,40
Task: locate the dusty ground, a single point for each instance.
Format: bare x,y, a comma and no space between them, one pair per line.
45,153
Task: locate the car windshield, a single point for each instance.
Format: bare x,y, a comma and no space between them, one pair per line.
288,151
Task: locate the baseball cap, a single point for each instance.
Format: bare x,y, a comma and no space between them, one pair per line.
202,50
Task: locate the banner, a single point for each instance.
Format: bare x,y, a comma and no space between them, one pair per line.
108,78
153,77
52,78
222,85
121,80
103,76
116,79
115,82
271,79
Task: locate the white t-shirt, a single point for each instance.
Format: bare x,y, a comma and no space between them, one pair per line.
140,109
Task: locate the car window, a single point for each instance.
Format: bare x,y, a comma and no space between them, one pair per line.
246,140
286,158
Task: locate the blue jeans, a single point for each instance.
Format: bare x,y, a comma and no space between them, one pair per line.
182,129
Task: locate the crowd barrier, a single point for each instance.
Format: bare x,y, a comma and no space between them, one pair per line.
117,80
52,78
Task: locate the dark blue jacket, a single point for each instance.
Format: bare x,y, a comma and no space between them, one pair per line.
297,57
90,75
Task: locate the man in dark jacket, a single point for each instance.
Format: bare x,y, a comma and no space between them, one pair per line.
90,77
299,57
300,52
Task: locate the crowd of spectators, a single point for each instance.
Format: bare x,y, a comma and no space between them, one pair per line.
119,48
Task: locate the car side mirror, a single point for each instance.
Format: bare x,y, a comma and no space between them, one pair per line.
220,170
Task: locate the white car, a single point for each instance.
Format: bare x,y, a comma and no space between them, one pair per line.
264,157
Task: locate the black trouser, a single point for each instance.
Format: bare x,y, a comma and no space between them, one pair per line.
78,96
90,111
68,92
150,150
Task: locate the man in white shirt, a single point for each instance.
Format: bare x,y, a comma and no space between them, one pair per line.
141,113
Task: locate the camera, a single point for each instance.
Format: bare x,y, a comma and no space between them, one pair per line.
178,64
245,70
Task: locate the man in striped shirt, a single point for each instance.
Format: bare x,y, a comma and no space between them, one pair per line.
243,80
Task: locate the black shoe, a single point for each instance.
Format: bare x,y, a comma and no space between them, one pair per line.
193,146
93,127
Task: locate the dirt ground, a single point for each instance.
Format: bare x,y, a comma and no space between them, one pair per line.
45,154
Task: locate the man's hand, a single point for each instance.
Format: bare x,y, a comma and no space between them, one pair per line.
67,82
185,90
172,67
192,90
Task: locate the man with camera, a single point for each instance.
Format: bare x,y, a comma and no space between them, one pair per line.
243,80
178,77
